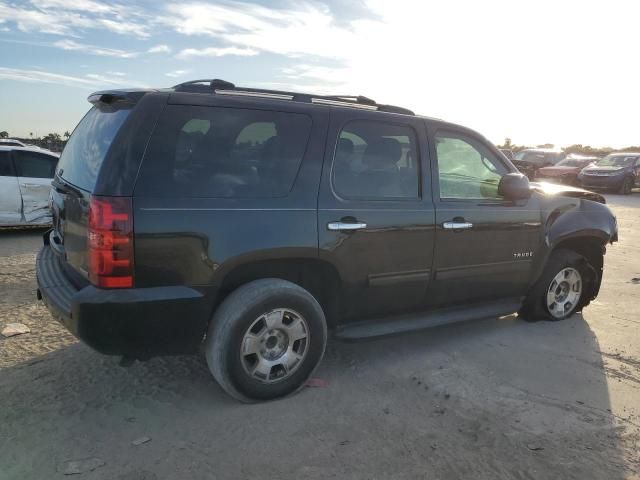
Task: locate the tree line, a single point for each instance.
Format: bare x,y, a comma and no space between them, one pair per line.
577,148
52,141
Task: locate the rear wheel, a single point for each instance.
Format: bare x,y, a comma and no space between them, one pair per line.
560,291
627,186
265,340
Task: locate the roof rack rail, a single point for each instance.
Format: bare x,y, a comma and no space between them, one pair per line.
222,87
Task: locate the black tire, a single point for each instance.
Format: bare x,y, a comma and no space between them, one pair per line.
627,186
237,314
535,305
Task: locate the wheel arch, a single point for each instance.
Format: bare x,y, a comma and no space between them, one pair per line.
317,276
590,246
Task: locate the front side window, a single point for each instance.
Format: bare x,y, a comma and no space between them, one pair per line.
376,161
467,169
34,165
224,152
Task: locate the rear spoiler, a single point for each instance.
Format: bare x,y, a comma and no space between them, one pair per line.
116,97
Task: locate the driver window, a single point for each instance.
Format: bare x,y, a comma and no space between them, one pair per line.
466,169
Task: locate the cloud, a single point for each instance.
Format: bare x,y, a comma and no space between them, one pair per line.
177,73
93,50
216,52
160,49
306,28
91,81
122,27
39,76
29,20
62,17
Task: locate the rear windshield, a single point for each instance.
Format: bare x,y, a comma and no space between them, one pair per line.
85,151
223,152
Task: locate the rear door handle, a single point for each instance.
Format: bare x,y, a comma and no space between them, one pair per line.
457,225
337,226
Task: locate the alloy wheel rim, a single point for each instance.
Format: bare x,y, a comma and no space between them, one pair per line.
275,345
564,292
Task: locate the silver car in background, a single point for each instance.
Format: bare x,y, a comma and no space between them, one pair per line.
25,184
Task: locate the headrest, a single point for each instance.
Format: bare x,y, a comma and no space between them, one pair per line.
382,153
345,147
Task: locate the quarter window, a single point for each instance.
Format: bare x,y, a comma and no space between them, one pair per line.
467,169
376,161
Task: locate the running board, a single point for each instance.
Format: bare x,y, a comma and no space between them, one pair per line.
423,320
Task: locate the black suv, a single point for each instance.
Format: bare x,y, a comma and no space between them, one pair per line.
256,220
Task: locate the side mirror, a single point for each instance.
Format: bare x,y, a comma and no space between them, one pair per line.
514,186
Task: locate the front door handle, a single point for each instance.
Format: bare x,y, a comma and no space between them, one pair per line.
28,185
337,226
455,225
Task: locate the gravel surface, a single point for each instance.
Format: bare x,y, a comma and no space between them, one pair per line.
490,399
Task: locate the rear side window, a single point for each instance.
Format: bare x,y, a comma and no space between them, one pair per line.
85,151
6,166
224,152
34,165
376,161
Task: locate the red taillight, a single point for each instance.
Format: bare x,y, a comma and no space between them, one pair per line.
110,242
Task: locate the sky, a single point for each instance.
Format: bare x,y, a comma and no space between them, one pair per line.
536,71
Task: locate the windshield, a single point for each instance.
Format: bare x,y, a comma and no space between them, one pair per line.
616,161
572,162
85,151
536,157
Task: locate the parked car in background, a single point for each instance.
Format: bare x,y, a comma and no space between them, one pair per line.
11,142
530,160
507,153
617,172
25,184
565,171
255,220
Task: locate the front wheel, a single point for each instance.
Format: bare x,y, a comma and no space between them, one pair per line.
265,340
560,291
627,186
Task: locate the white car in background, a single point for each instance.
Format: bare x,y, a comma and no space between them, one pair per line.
11,142
25,184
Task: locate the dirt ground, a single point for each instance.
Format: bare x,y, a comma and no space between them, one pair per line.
498,398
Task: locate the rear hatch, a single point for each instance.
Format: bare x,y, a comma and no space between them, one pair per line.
76,178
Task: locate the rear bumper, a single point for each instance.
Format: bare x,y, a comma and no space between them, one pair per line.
137,322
